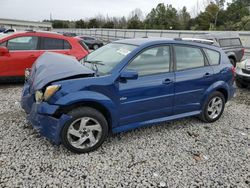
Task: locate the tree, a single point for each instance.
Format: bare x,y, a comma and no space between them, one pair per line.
162,17
109,24
93,23
136,12
60,24
80,24
184,18
244,24
134,23
237,10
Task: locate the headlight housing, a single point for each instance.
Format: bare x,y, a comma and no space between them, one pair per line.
49,92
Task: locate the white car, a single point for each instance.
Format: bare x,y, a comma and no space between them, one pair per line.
243,73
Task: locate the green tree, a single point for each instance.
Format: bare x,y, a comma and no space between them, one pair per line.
244,24
184,18
237,10
80,24
162,17
60,24
134,23
109,24
93,23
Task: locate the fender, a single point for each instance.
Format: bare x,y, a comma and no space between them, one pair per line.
215,86
90,96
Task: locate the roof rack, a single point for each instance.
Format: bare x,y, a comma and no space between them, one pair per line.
204,41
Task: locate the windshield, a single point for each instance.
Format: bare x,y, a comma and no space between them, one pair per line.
107,57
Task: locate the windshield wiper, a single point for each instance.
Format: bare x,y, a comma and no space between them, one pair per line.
94,62
94,65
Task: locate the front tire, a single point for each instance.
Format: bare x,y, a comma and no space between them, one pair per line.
86,131
213,108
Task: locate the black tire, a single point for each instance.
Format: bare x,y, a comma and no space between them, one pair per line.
95,46
80,113
205,113
240,84
232,61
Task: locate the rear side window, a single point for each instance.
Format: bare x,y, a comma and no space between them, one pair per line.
230,42
3,44
81,42
23,43
54,44
188,58
213,56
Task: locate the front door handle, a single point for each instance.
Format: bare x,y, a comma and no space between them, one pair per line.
207,74
167,81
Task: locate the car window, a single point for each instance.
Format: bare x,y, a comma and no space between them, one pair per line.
23,43
66,45
188,57
213,56
54,44
152,61
3,44
88,38
230,42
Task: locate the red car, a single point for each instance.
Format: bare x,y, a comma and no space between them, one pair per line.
19,51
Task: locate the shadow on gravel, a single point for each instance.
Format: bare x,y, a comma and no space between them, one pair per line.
11,85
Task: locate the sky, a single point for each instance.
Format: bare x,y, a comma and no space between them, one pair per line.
38,10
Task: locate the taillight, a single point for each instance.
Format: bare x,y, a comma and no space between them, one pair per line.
233,70
243,51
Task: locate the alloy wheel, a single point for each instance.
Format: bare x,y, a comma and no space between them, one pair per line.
84,132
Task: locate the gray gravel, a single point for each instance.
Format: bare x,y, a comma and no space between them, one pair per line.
183,153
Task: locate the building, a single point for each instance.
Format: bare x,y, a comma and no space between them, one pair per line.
25,25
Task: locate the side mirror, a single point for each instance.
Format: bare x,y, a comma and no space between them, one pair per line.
4,51
129,75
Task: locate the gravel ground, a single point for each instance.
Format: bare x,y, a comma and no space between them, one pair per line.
183,153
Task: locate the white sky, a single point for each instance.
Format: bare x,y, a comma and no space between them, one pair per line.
38,10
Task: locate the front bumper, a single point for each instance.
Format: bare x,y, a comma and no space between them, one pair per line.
48,126
40,115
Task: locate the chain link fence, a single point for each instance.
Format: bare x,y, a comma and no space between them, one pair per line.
109,35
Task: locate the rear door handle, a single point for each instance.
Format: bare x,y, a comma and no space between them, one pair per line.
32,56
167,81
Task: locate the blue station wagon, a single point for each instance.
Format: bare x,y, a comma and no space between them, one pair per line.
125,85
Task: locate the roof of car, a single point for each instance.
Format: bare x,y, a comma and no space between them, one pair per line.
140,41
35,33
153,40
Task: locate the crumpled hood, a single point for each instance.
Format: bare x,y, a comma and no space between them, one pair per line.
51,67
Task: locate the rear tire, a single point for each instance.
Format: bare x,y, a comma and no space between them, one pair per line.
213,107
232,61
86,131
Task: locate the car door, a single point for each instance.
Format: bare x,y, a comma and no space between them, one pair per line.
22,54
55,45
193,76
151,95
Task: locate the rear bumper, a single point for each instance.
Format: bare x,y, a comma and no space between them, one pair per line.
48,126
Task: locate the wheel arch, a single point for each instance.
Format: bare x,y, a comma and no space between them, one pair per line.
92,104
95,100
219,86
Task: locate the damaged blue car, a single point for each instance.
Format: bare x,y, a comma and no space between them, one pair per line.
125,85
